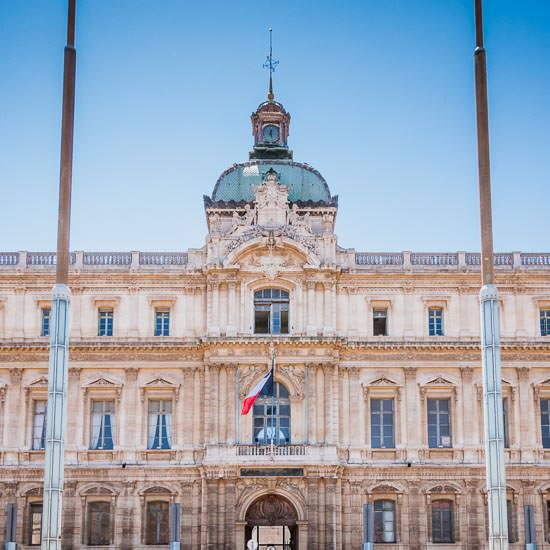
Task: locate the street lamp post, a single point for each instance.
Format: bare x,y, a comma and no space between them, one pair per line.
59,340
490,315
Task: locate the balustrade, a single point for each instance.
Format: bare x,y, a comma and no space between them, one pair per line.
107,258
382,258
535,259
434,259
9,258
163,258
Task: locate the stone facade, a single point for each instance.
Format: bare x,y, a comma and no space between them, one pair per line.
330,362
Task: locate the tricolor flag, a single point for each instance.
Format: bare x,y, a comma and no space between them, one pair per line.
265,384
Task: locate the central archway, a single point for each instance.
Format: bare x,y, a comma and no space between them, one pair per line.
271,520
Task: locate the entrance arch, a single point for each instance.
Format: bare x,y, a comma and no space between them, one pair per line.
272,521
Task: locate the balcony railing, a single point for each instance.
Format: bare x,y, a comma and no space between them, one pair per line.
163,258
271,450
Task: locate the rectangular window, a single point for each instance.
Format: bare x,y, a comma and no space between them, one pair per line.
103,425
511,521
384,521
506,422
157,524
381,423
35,523
162,322
45,326
271,311
160,424
39,426
442,521
545,322
435,321
99,523
439,423
105,322
545,422
379,322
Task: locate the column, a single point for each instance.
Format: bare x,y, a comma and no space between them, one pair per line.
312,404
411,434
469,419
356,418
198,419
320,384
231,310
528,417
310,308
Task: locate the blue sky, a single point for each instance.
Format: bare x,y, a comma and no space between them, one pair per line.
381,96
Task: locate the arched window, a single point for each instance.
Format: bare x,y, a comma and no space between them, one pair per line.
157,527
442,521
384,521
271,311
272,417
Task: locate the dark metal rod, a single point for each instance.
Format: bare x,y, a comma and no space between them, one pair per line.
482,114
66,164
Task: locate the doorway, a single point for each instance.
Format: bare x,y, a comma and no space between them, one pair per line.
271,523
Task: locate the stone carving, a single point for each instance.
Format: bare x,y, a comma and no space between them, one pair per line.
439,381
383,381
297,376
271,510
296,220
245,220
247,375
271,202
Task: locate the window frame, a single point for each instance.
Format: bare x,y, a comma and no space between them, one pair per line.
439,414
438,314
113,423
544,320
33,502
164,327
376,310
90,501
452,527
148,502
383,499
271,302
36,390
45,319
265,402
383,388
105,311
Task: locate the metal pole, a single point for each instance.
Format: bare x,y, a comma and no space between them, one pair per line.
368,527
59,341
175,515
490,317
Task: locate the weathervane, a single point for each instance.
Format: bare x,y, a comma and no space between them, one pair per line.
270,64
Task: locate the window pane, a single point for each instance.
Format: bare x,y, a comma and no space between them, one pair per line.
261,322
157,529
35,520
379,322
442,521
45,329
99,523
384,521
39,425
545,422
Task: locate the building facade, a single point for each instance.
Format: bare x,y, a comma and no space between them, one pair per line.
377,395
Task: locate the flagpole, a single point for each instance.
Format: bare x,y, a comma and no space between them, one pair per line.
490,315
56,413
272,397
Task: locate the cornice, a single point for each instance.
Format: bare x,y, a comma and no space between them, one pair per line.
194,349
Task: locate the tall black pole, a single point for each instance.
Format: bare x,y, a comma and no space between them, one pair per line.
490,315
56,416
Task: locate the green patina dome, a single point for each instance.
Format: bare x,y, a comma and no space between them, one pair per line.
304,183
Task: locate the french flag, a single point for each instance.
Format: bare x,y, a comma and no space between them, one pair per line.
265,384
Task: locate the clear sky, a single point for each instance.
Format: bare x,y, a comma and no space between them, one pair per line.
381,96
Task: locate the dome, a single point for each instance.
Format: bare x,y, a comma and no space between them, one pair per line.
304,183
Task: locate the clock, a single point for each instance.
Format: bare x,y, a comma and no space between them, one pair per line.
270,133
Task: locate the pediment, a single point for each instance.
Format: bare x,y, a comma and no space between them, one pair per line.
544,382
160,382
102,382
439,381
382,381
40,382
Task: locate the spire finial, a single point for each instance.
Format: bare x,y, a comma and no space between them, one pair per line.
270,64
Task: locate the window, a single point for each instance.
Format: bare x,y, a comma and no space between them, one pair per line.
271,311
435,321
548,519
442,521
439,423
39,426
103,420
160,424
510,515
545,322
381,423
99,523
506,422
105,322
157,523
379,322
384,521
545,422
45,326
35,523
162,322
272,417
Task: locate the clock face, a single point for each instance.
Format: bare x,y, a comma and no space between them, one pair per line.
271,133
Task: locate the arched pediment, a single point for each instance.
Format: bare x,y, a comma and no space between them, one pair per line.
158,490
258,255
97,490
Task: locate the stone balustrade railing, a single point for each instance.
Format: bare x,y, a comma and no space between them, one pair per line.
102,259
454,260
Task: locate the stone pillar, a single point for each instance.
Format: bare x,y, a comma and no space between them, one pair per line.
13,428
527,418
198,419
321,382
412,436
417,517
311,326
231,329
356,418
471,437
312,404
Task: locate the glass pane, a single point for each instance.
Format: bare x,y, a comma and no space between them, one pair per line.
261,322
